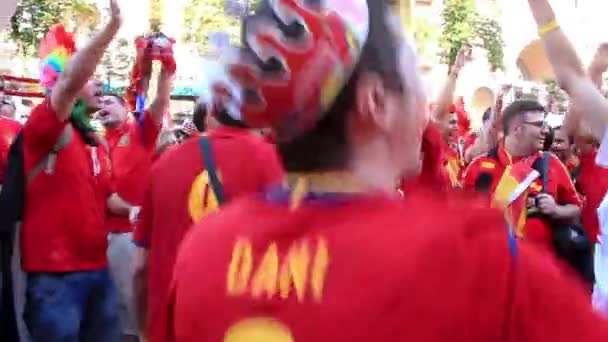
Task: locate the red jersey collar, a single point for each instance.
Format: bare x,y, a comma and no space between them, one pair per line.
506,159
228,131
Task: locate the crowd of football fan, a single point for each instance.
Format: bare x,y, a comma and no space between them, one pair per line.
317,195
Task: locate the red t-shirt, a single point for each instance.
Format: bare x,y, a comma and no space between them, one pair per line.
64,216
9,129
593,184
560,187
245,164
370,269
132,147
433,173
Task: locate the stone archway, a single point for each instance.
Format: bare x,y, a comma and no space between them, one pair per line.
533,63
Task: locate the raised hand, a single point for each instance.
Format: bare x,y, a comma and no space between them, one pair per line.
462,57
116,16
600,60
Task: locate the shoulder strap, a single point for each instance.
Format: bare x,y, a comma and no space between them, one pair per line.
207,155
48,162
544,174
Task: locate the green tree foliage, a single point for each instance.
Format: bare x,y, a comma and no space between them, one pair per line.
201,17
117,62
458,27
463,25
32,20
490,33
82,16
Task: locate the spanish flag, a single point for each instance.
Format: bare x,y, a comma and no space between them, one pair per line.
454,168
512,192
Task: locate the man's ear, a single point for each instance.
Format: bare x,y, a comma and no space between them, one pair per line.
371,100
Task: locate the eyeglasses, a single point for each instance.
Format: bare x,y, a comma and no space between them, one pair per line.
539,124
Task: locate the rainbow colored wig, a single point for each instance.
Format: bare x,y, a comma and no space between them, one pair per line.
55,52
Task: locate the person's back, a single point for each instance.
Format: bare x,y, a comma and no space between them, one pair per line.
180,194
368,268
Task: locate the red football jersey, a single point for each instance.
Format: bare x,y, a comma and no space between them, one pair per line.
433,173
370,269
64,215
177,197
132,147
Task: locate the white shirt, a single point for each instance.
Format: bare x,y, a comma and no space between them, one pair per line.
600,293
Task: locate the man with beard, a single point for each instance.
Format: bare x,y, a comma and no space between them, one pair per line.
131,143
69,295
563,147
334,254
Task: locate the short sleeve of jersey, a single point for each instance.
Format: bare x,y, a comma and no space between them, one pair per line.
43,128
602,155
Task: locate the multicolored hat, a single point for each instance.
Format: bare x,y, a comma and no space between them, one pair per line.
308,69
55,51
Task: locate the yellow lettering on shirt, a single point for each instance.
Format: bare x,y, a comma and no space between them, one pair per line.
294,270
319,270
240,267
300,270
265,277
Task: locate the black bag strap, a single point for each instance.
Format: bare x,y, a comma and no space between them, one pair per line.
47,164
544,171
207,155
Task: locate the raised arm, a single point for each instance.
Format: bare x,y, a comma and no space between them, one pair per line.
160,105
569,71
441,113
599,65
83,65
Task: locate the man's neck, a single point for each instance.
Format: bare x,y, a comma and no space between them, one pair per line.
115,126
373,168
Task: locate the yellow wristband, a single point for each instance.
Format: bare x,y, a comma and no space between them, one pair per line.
548,27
